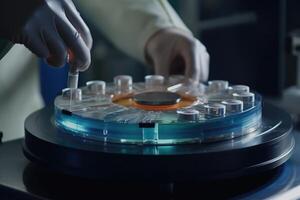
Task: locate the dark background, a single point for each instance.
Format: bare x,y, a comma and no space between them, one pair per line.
254,51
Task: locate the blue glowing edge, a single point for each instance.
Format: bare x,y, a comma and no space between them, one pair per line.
209,130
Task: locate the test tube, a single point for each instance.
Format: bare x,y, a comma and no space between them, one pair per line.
123,84
73,76
96,87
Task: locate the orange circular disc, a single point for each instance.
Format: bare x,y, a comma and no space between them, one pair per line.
128,101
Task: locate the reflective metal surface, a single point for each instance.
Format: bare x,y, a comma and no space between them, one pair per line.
268,147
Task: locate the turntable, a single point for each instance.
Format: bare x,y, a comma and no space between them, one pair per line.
159,129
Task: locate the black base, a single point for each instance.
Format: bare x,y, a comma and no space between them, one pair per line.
49,146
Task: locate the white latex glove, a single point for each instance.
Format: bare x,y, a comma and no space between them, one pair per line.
173,51
52,29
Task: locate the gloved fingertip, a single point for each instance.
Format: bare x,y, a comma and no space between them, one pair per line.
89,42
82,61
82,64
84,67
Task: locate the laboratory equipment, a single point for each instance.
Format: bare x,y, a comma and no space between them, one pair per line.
160,126
73,76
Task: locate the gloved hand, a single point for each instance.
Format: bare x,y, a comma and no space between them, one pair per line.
52,29
173,51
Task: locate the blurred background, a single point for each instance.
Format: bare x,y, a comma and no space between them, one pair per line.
248,42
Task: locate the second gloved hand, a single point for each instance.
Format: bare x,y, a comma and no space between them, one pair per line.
173,51
51,29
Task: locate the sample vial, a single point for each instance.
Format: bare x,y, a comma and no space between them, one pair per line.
247,98
154,82
123,84
214,109
233,105
73,76
238,89
72,94
96,87
188,115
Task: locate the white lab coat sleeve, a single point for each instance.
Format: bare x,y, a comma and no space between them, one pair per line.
19,90
130,23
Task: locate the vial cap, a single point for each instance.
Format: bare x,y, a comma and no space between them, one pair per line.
96,87
74,94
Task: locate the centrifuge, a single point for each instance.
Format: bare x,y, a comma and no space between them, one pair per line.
166,129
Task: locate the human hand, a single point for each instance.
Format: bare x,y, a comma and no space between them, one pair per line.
174,51
52,29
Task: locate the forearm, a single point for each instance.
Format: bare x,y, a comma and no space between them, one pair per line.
130,23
